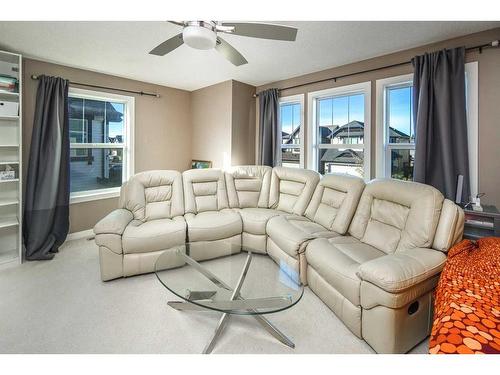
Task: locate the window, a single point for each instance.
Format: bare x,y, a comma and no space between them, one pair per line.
341,132
100,143
398,131
291,119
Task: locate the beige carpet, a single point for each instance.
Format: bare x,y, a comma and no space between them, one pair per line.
61,306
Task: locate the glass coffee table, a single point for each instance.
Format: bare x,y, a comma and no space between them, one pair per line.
241,282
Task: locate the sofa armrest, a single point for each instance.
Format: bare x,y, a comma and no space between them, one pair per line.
399,271
114,223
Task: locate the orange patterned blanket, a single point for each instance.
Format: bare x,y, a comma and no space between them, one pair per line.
467,308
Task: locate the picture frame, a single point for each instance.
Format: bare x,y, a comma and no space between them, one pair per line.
201,164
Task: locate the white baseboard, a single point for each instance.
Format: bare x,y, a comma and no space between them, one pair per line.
79,235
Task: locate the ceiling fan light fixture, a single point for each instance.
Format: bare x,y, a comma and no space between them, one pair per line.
199,37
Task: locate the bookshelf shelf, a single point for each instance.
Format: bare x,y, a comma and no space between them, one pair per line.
11,154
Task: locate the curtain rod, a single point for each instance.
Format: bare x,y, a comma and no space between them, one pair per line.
492,44
35,77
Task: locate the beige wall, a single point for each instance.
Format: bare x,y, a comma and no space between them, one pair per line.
211,123
223,124
162,129
489,94
243,128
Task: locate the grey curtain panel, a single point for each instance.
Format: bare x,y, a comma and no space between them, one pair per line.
441,151
46,211
270,137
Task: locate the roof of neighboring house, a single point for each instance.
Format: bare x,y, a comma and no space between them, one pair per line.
351,129
325,132
393,132
356,129
288,138
347,156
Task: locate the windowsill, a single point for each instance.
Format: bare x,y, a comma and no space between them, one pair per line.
94,195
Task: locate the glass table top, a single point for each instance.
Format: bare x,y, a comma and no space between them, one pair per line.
244,282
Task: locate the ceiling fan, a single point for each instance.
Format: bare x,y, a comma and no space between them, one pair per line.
205,35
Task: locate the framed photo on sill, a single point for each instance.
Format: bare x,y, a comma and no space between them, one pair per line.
201,164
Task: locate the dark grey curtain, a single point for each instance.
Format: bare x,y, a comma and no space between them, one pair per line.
441,152
46,210
270,138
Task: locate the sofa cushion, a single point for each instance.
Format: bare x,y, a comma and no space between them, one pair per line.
248,186
154,195
213,225
337,260
153,235
204,190
255,219
291,189
290,233
335,200
395,215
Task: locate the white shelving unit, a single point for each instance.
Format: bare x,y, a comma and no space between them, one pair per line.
11,155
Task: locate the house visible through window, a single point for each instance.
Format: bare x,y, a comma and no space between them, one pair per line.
100,153
340,126
290,118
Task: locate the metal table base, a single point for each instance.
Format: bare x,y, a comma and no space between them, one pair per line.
239,301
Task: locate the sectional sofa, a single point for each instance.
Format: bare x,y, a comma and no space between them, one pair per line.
371,252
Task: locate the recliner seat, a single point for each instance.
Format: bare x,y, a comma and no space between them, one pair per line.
149,221
248,192
372,253
291,191
209,219
328,214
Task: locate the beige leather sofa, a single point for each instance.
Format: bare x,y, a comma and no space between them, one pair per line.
372,253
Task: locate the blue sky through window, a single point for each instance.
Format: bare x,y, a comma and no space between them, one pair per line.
290,117
341,110
399,110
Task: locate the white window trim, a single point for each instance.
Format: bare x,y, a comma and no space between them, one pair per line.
289,100
382,160
129,126
312,134
472,107
471,72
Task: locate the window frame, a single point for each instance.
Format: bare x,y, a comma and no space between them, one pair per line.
383,148
293,99
313,146
127,146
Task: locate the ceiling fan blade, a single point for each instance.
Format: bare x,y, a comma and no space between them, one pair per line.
167,46
263,30
178,23
230,52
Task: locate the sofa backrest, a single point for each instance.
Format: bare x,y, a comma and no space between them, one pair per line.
204,190
395,215
292,189
335,200
450,228
248,186
153,195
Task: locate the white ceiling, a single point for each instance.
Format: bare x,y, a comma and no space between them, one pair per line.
121,48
